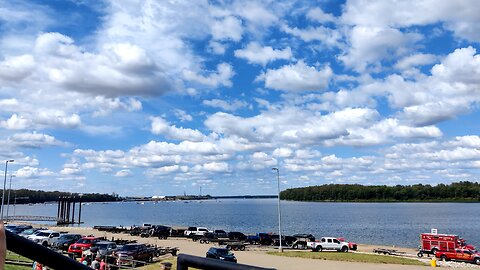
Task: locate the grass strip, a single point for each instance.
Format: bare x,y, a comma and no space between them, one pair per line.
349,257
17,258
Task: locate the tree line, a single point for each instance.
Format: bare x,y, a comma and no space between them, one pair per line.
25,196
459,191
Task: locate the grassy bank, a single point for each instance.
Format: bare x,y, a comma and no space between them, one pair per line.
17,258
349,257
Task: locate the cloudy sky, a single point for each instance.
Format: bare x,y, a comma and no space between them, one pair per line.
165,97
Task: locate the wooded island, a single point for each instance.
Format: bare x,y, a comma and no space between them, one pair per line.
454,192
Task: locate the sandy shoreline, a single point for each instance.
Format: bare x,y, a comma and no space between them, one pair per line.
253,255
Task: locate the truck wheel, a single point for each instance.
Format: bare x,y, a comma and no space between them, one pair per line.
443,258
202,241
206,241
344,249
45,244
420,254
295,246
318,249
242,247
434,251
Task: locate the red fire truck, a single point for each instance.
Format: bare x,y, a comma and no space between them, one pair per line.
432,242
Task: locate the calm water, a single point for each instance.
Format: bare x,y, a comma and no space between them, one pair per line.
371,223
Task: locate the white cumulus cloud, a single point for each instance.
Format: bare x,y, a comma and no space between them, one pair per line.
298,77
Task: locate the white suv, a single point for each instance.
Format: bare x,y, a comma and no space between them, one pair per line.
44,237
198,231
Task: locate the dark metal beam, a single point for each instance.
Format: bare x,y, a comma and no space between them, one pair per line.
41,254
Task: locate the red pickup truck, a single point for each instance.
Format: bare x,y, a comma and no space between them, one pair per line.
82,244
464,255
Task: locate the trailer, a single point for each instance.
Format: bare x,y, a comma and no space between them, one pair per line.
219,241
235,246
160,251
111,229
386,251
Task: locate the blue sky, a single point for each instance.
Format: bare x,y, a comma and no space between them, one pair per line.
160,98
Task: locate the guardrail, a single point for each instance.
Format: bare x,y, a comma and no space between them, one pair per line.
31,218
185,261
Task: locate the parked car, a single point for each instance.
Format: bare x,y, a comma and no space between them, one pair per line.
139,230
264,239
44,237
29,232
328,243
10,227
220,233
459,254
210,236
135,252
302,239
237,236
160,231
82,244
178,231
19,229
198,231
287,241
221,254
253,239
65,240
104,248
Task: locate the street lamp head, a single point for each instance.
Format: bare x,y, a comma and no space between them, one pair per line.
274,169
11,160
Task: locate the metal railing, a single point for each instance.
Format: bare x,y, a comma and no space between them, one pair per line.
59,261
41,254
185,261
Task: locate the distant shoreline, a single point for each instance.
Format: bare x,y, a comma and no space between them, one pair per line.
411,201
455,192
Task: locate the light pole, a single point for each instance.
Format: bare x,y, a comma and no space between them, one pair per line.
4,184
280,248
8,197
14,202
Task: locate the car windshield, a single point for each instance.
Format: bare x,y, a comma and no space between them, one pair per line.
29,231
130,247
84,241
224,252
102,246
67,236
43,234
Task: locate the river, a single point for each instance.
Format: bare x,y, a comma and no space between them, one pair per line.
398,224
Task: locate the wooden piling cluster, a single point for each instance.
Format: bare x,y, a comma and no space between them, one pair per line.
66,210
